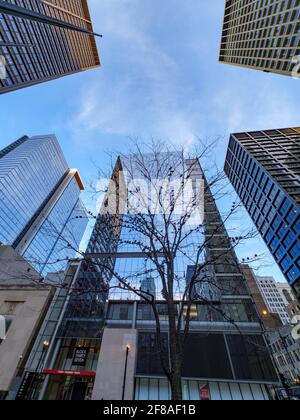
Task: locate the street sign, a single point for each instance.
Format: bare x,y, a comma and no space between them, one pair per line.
80,356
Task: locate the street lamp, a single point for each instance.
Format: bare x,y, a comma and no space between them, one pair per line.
282,377
46,345
128,348
36,375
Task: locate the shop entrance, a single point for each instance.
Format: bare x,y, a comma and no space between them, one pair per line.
69,388
79,391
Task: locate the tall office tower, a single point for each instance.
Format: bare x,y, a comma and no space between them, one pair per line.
41,41
41,214
226,356
262,35
264,169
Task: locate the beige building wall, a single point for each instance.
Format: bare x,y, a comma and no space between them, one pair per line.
271,321
25,303
111,366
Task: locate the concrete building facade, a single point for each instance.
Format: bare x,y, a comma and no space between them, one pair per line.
105,342
23,304
286,352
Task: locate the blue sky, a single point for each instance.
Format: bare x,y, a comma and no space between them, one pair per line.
160,77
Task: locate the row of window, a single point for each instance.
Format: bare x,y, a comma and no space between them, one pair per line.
276,216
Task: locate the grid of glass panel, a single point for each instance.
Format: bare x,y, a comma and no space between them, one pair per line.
35,52
28,174
213,356
226,277
60,234
261,34
85,310
31,170
264,169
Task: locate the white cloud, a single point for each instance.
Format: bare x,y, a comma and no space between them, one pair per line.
141,97
160,77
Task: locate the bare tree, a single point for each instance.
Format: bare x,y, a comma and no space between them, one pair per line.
159,207
162,209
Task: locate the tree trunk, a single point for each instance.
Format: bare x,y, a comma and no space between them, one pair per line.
175,349
176,382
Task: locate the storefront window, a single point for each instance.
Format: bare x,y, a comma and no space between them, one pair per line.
78,355
69,388
195,390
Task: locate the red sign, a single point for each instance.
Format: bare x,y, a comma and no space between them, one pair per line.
205,393
68,373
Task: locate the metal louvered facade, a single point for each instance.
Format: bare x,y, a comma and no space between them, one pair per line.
33,52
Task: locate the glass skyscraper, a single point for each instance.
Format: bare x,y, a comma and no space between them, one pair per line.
41,214
34,49
264,169
262,35
226,330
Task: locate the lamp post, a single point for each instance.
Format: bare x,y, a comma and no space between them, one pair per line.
38,368
128,348
15,44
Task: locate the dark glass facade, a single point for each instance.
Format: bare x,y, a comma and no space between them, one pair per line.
264,169
85,314
210,356
262,35
41,214
35,52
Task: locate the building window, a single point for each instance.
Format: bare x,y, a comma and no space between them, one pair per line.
5,323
